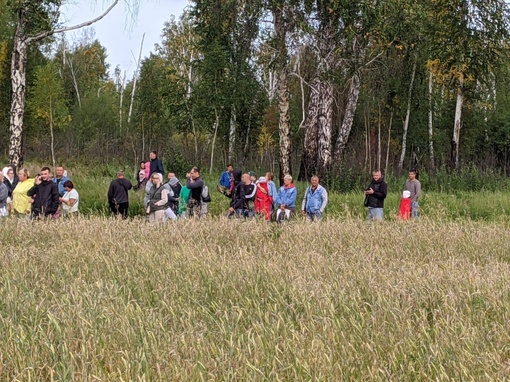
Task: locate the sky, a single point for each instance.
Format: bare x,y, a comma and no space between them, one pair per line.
118,32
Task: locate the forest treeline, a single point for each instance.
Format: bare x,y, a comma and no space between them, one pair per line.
292,86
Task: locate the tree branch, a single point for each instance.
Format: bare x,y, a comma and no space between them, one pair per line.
43,35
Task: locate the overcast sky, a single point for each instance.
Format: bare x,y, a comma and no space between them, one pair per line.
118,32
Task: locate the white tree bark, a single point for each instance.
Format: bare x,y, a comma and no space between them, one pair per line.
431,120
457,126
18,76
406,121
135,80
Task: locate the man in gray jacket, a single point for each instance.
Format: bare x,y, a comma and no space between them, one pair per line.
413,185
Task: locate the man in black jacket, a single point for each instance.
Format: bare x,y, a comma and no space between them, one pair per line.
118,197
45,194
375,195
156,164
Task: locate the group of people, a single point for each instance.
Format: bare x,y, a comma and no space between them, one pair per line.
252,196
376,192
44,195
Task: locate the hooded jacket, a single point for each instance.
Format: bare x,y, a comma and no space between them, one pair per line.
287,195
315,201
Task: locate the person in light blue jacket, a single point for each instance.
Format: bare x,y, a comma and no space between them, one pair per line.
315,200
286,199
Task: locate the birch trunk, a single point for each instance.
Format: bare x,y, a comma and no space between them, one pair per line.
18,82
232,135
311,127
431,120
213,146
282,86
406,122
350,111
18,75
456,127
325,130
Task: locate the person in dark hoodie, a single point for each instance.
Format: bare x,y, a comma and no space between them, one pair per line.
45,195
374,196
118,198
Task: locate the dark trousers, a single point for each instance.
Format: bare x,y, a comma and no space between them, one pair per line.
120,208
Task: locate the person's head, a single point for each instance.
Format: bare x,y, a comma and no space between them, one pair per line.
412,175
68,185
23,174
246,179
10,173
314,181
156,178
59,172
253,176
142,165
153,154
194,173
269,176
287,179
376,174
120,174
1,177
45,173
230,168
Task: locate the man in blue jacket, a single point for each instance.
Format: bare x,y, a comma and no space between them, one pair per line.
315,200
59,179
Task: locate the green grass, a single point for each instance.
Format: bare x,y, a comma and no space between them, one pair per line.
222,300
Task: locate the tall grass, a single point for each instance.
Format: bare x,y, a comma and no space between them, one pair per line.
221,300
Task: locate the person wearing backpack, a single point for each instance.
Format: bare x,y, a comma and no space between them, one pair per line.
315,200
206,199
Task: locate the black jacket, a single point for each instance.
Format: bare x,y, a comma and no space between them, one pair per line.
156,166
45,198
118,191
376,200
196,188
240,199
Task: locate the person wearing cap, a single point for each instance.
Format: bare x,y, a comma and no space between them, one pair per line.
413,185
118,198
315,200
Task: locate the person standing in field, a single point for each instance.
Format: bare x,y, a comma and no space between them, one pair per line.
4,194
21,202
70,200
155,164
195,185
374,196
241,205
286,199
118,198
158,199
226,180
45,195
315,200
174,188
60,179
413,185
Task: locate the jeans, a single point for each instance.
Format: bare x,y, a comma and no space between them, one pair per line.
314,216
375,213
414,209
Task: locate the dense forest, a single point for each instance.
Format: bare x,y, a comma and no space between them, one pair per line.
292,86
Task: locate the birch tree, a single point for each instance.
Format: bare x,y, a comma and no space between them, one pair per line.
35,21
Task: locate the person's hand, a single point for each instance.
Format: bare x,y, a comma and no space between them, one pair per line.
303,212
38,180
231,209
282,206
61,200
369,192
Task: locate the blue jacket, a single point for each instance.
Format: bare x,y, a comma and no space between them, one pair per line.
287,196
315,201
61,190
225,180
273,192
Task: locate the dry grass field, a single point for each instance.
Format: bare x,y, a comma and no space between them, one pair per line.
98,299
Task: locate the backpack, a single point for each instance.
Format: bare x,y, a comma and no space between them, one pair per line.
206,198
